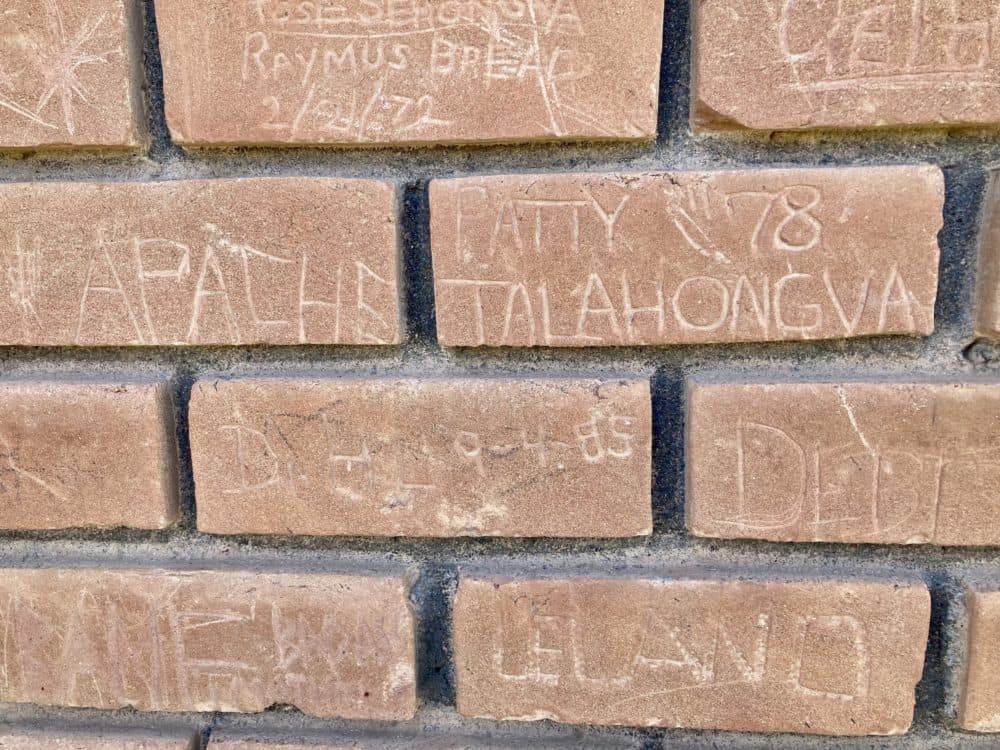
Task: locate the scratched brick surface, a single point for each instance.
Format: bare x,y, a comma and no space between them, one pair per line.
275,261
423,457
979,699
847,64
807,657
879,463
66,742
988,281
330,645
86,455
755,255
69,75
408,71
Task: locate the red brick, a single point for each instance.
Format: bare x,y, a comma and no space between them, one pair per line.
814,657
423,457
897,463
255,261
385,71
988,283
69,74
39,741
979,702
86,454
687,258
799,65
331,645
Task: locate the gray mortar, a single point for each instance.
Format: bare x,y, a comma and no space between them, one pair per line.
952,352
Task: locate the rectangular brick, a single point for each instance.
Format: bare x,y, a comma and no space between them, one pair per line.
988,281
254,261
70,74
686,258
886,463
813,657
409,71
423,457
40,741
330,645
87,455
847,64
979,700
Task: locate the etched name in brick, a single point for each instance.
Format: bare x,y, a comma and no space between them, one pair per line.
988,282
69,74
810,657
330,645
851,462
861,63
409,71
41,741
462,457
979,699
609,260
256,261
86,455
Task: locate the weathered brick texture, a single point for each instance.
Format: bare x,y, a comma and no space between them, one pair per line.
87,455
757,255
979,701
68,742
69,74
988,282
330,645
423,457
813,657
876,463
385,71
259,261
798,65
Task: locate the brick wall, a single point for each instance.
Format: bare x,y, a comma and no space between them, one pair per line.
637,391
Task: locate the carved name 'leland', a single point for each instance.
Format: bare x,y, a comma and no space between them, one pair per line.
814,657
616,260
424,457
879,463
399,71
256,261
330,645
796,64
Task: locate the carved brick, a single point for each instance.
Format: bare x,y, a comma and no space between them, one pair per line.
105,742
687,258
384,71
855,64
979,699
331,645
811,657
880,463
426,457
69,74
255,261
86,455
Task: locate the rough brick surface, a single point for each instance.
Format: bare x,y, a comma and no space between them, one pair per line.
331,645
400,71
463,457
979,701
757,255
850,462
276,261
68,76
809,657
86,455
66,742
988,282
847,64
